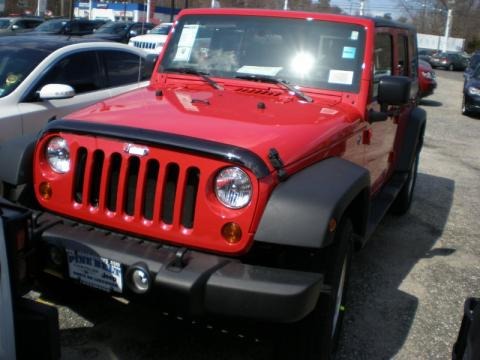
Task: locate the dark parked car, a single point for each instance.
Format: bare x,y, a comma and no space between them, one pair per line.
471,93
450,61
121,31
14,25
77,27
426,54
473,63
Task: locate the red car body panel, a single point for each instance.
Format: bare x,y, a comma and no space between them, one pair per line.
427,83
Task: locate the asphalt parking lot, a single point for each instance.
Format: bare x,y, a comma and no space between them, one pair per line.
407,286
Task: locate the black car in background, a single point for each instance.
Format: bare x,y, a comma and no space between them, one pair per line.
121,31
473,63
13,25
471,93
75,27
426,54
449,60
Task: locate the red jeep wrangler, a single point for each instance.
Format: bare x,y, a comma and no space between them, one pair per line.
267,147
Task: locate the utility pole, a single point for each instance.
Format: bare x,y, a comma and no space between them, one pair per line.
285,5
362,7
447,29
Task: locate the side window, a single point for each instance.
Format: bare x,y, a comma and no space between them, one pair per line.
402,53
80,71
382,59
21,24
123,68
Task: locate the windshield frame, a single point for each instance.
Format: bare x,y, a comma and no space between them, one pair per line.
311,24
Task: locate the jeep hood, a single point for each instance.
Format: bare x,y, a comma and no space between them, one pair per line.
250,118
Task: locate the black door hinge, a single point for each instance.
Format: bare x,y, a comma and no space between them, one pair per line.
277,164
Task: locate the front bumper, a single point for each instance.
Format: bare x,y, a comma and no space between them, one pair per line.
209,283
472,102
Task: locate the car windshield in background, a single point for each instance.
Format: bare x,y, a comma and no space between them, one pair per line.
161,30
4,23
16,64
112,28
303,52
51,26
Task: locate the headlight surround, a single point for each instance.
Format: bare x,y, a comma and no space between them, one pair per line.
233,187
428,75
58,155
472,90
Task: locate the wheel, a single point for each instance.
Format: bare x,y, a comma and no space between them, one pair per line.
450,67
404,198
316,336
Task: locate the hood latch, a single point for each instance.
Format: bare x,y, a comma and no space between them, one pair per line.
277,164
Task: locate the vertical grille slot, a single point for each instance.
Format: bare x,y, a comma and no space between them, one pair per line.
79,175
150,186
169,193
112,183
131,185
98,159
190,197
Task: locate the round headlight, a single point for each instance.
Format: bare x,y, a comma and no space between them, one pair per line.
233,188
58,155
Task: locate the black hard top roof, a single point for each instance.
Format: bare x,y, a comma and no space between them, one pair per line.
382,22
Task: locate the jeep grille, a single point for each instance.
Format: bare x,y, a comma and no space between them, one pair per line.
135,186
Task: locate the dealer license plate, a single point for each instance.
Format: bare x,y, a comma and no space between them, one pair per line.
95,271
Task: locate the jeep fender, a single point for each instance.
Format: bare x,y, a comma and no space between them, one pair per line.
412,140
16,160
300,209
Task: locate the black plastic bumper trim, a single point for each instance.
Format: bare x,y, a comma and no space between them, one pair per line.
211,283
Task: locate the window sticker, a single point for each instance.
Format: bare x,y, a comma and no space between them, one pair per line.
340,77
185,44
260,70
348,52
354,35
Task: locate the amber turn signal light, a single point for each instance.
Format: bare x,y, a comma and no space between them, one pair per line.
231,232
45,190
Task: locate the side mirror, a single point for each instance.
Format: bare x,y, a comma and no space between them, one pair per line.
133,33
56,92
150,62
394,90
15,27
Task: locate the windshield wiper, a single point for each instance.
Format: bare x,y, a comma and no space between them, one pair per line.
273,80
191,71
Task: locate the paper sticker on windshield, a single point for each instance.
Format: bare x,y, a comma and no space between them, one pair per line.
260,70
185,44
348,52
354,35
340,77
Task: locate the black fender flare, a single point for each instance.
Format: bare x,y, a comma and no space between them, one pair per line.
412,139
299,210
16,160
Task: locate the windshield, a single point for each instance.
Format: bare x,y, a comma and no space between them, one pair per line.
476,74
112,28
4,23
161,29
303,52
15,65
51,26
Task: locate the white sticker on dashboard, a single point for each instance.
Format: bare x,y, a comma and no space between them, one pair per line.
340,77
186,42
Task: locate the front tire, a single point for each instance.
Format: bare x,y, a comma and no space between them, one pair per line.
316,336
451,67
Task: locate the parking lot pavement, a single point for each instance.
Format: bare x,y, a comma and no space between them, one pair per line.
407,286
